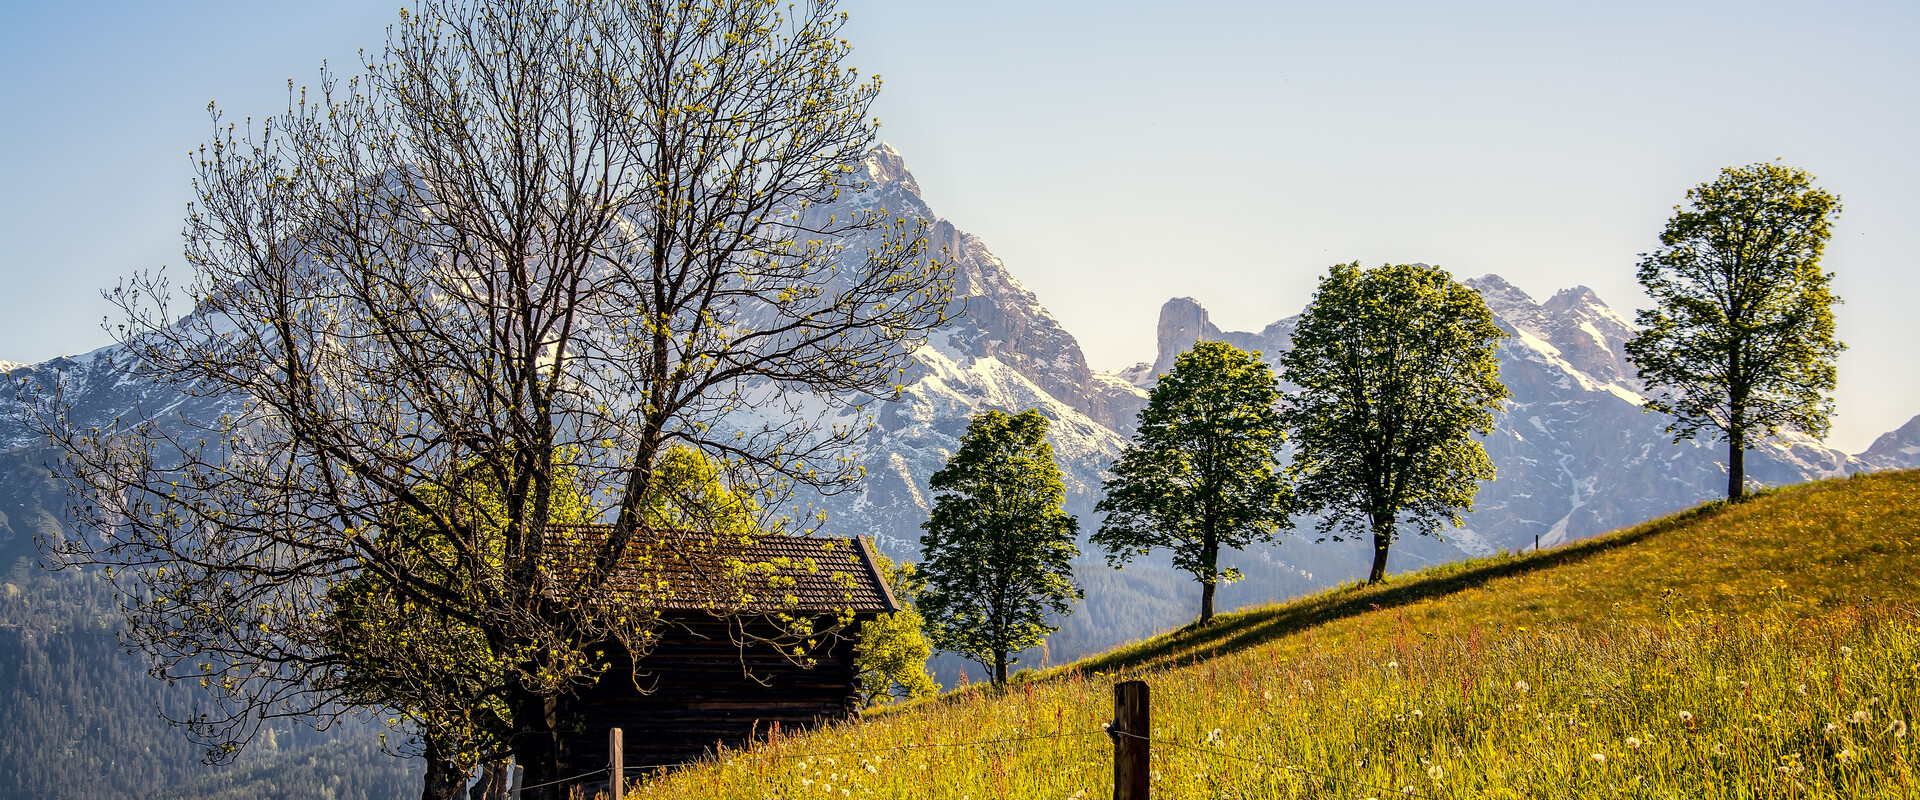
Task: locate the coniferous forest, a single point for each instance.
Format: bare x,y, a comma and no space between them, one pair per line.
84,720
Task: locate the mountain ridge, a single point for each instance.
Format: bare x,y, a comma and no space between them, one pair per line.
1575,453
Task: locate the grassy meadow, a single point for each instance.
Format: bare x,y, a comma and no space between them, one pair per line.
1761,650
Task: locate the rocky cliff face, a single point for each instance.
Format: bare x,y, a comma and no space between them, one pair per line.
1574,453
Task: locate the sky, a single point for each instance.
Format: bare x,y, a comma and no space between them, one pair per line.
1118,154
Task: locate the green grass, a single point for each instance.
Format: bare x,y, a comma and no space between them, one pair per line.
1759,650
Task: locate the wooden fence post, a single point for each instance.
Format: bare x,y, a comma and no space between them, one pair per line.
616,747
1132,754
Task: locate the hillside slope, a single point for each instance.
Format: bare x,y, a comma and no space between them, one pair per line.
1756,650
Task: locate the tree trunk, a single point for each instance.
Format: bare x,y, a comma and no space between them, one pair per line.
1209,577
492,776
1382,539
1736,466
443,781
1000,667
536,746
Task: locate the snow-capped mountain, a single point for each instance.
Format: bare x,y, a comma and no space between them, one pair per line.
1575,454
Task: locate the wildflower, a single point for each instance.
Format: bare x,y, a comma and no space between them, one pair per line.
1266,695
1522,687
1686,717
1861,717
1833,728
1802,689
1599,758
1846,652
1844,755
1436,773
1393,665
1214,737
1719,749
871,770
1898,728
1417,713
1633,742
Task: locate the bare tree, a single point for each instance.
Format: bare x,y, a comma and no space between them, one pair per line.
529,239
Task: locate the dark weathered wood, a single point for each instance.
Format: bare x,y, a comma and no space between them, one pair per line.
698,690
1132,748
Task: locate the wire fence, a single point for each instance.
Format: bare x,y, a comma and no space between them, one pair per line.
1405,791
932,745
1109,730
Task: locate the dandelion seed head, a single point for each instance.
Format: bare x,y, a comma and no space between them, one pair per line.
1845,755
1861,717
1846,652
1436,773
1898,728
1633,742
1266,695
1686,717
1599,758
1522,687
1802,689
1393,665
1719,749
1833,727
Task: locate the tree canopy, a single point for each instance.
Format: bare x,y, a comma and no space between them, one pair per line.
1203,471
998,550
1396,371
589,228
1741,337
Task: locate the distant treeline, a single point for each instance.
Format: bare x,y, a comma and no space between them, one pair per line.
79,718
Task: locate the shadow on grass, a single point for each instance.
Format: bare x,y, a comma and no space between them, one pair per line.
1231,633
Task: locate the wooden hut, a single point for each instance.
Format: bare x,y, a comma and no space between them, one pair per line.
712,678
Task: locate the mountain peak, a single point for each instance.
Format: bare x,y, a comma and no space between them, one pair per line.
885,166
1183,321
1501,297
1571,298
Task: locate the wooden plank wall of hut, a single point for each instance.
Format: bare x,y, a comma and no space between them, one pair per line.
699,693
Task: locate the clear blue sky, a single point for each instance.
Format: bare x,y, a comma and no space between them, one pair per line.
1117,154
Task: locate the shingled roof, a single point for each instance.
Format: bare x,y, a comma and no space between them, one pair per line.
680,570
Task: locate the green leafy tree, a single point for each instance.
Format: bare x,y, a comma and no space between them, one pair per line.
586,226
998,548
1740,339
894,649
1203,471
1397,371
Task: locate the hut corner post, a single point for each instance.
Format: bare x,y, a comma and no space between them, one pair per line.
1132,732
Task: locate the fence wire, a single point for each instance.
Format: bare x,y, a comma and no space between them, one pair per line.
1259,762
